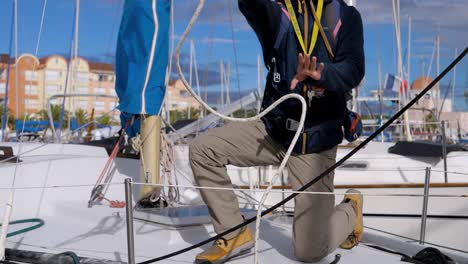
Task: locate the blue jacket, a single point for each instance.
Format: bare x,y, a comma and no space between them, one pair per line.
325,114
142,56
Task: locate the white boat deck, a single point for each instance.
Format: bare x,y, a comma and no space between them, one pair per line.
68,173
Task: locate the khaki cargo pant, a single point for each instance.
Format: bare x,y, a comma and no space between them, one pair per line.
319,227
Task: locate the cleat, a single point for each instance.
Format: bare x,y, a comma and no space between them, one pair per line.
354,197
223,250
148,203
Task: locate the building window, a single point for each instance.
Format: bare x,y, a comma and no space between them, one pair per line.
30,89
82,89
30,75
2,88
31,104
82,77
99,106
184,94
52,75
103,78
113,92
100,90
52,89
82,104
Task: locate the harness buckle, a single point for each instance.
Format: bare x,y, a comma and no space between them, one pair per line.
292,125
276,77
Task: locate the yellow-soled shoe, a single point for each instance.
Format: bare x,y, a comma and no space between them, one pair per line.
354,197
222,249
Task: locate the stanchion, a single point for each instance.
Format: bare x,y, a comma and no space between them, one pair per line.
422,235
129,218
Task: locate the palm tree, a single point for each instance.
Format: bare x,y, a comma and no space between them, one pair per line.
55,110
104,120
81,116
11,118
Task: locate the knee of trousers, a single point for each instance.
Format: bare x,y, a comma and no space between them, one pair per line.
199,150
309,254
196,150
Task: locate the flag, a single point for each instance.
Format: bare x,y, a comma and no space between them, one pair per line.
395,83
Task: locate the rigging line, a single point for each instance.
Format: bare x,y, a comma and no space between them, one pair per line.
69,72
234,46
33,72
7,84
451,172
299,192
447,89
59,186
326,172
112,32
9,204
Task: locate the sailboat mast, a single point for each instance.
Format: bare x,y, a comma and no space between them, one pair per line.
16,60
379,68
7,84
408,63
454,79
221,72
396,16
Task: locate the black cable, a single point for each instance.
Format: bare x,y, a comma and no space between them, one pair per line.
323,174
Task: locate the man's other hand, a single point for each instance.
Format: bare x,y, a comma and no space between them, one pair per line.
307,67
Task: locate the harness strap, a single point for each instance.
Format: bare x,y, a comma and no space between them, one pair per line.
297,29
322,32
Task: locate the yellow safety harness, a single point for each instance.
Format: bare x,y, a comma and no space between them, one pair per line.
297,29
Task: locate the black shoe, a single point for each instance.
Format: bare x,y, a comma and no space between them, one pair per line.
147,203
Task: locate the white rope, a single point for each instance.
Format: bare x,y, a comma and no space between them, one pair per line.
59,186
9,205
240,190
257,117
451,172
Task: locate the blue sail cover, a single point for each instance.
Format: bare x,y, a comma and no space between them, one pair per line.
142,56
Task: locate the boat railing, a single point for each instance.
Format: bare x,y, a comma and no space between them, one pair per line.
55,136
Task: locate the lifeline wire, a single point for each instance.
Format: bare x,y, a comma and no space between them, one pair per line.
340,162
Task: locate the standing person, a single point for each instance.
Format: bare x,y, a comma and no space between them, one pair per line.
323,65
141,63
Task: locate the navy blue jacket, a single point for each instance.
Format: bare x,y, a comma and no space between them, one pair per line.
340,75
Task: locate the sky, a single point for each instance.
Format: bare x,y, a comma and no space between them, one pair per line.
222,32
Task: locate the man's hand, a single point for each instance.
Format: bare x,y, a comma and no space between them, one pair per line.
307,67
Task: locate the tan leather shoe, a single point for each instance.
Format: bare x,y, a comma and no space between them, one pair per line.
222,249
354,197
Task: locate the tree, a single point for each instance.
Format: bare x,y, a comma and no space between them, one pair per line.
11,118
104,120
81,116
55,110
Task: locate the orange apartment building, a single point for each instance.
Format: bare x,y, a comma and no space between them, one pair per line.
38,80
178,98
23,90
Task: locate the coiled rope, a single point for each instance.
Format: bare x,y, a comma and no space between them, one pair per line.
323,174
